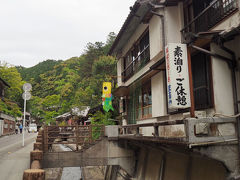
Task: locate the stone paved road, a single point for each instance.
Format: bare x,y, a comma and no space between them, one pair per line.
14,158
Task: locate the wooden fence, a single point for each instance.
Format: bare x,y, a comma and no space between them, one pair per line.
79,136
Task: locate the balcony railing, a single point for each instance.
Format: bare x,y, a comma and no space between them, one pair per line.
209,17
138,63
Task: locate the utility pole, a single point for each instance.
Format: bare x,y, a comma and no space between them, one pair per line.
26,96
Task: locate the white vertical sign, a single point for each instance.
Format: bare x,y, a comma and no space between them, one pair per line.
177,76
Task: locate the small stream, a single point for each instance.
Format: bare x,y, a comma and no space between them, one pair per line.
73,173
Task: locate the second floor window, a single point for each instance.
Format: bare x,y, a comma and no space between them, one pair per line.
137,57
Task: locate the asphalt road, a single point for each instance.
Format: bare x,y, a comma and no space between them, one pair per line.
14,158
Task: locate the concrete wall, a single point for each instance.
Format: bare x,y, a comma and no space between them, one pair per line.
146,131
222,83
207,169
155,164
176,166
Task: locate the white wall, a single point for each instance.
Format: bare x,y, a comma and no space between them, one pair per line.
222,83
158,95
173,23
155,35
234,45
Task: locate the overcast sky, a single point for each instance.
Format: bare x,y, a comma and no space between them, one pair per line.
32,31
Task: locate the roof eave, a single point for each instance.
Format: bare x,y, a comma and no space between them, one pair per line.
138,11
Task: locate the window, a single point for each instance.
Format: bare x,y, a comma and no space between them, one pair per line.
202,81
139,104
147,100
144,102
137,57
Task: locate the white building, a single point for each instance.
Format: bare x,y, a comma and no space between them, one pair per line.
211,31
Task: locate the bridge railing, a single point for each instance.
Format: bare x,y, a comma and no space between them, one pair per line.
190,132
74,137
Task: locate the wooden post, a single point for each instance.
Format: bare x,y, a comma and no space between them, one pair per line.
30,174
45,138
90,134
36,155
103,130
192,108
40,132
38,145
124,130
36,165
39,139
156,131
77,137
138,131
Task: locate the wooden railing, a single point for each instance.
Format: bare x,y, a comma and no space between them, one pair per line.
210,16
76,136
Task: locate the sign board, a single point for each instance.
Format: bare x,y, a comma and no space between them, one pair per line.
177,76
27,87
26,95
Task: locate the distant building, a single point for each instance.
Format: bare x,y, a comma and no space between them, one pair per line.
7,123
3,85
76,116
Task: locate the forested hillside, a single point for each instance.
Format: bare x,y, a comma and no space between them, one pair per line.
60,85
12,102
35,71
